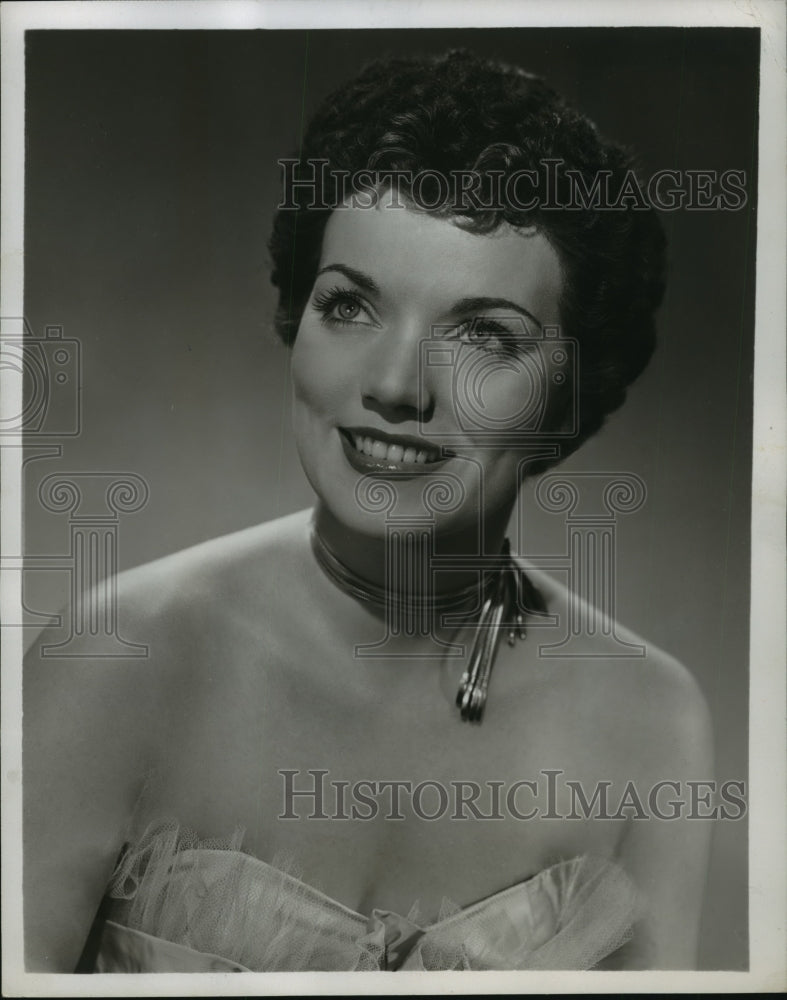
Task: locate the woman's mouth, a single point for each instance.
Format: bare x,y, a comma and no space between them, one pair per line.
369,451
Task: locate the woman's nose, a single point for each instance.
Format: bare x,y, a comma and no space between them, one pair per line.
393,381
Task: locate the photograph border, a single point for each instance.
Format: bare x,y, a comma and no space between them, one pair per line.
767,743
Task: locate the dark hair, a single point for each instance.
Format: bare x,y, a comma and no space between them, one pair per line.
459,112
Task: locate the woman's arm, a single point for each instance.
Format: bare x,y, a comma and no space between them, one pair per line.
667,853
90,729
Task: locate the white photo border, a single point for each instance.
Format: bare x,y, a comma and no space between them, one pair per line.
767,775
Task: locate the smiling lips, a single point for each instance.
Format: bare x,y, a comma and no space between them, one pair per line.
385,451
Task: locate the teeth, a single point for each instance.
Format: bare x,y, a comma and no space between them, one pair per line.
395,453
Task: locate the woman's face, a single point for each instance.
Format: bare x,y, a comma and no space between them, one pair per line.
420,360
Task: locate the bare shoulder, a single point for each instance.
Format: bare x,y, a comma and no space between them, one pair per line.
218,571
643,725
158,607
648,702
95,722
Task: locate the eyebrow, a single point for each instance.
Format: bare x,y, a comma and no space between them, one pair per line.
361,280
475,303
479,303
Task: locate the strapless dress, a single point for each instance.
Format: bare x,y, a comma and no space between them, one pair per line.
177,904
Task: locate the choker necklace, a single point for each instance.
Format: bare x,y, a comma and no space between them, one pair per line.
507,594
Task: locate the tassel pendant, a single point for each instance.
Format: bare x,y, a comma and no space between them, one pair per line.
513,595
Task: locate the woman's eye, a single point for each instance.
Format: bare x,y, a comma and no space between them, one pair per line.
341,306
347,310
487,333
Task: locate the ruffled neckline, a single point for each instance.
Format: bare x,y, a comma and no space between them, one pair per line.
521,885
216,899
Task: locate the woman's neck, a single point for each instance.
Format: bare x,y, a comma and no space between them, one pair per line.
404,559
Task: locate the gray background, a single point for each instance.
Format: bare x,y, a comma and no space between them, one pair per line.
151,178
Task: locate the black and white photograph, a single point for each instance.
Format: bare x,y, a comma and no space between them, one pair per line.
393,498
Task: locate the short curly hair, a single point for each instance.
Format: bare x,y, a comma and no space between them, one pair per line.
459,112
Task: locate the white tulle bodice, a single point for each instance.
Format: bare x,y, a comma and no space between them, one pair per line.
180,904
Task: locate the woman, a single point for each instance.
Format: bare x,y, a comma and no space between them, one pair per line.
317,683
